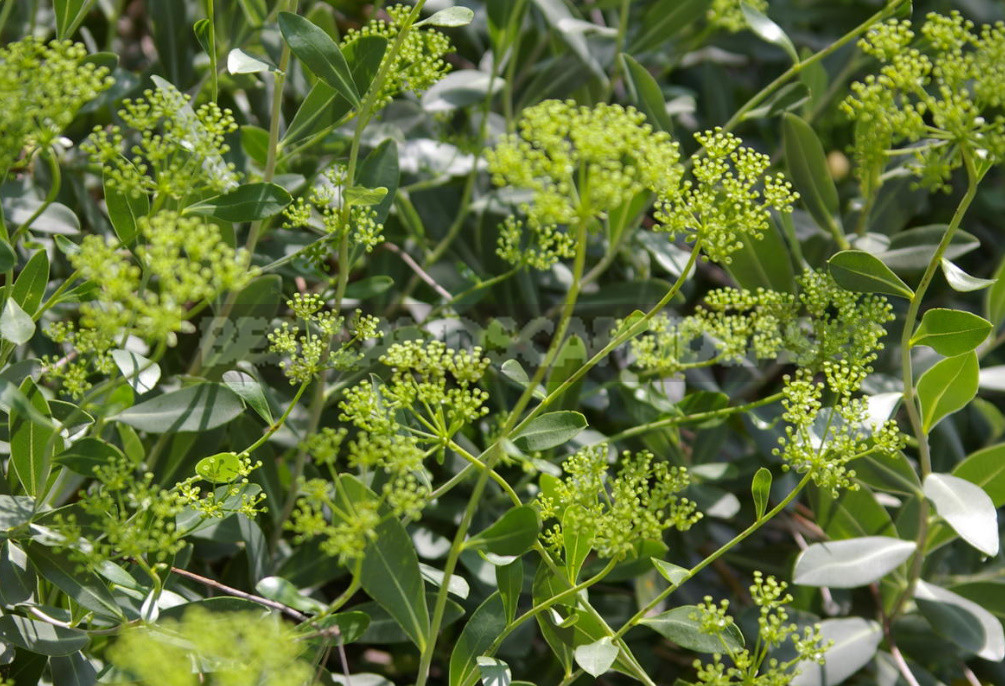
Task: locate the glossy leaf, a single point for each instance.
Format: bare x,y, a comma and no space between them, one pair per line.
596,658
30,285
768,31
910,251
646,93
855,641
509,581
962,621
481,630
852,562
250,391
951,332
986,468
196,408
141,374
807,163
549,431
16,325
390,575
494,672
319,53
72,670
246,203
84,587
760,489
451,17
960,281
220,468
966,508
858,271
282,591
514,534
41,637
671,572
947,387
240,62
124,210
15,511
677,626
381,169
30,447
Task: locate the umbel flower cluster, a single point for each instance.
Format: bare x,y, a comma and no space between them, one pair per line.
821,322
177,264
613,513
752,667
933,106
429,397
419,62
583,164
43,86
728,14
165,148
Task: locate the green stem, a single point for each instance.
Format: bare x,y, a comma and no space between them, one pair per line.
907,373
740,537
50,197
698,417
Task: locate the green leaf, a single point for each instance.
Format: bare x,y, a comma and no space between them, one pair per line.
250,391
380,169
994,302
763,263
8,258
947,387
30,447
390,575
549,431
322,108
951,332
69,15
72,670
448,18
596,658
29,287
16,325
17,580
196,408
912,250
671,572
962,621
15,511
572,356
250,202
768,31
665,19
459,89
888,473
457,585
282,591
360,195
41,637
852,562
124,210
962,282
851,514
494,672
351,625
172,38
855,643
485,625
578,533
966,508
319,53
514,534
677,626
509,581
861,272
86,454
141,374
240,62
986,468
221,468
84,587
646,94
364,56
807,163
760,488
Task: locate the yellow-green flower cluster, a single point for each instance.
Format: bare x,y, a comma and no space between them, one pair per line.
343,528
419,62
322,209
617,511
43,86
751,666
933,99
166,148
226,649
824,439
177,264
730,198
581,163
822,323
728,14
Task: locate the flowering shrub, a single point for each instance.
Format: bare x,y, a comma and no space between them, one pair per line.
501,342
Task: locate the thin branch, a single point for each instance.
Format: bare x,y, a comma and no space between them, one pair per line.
419,271
285,609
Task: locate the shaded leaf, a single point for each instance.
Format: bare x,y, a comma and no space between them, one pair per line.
962,621
41,637
485,625
514,534
250,202
760,489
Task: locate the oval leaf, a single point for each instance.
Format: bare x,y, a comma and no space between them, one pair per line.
760,488
855,643
852,562
596,658
221,468
966,508
858,271
960,281
947,387
514,533
678,626
951,332
808,170
986,468
196,408
962,621
550,430
247,203
319,53
449,18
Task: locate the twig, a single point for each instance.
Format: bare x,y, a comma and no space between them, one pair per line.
419,271
285,609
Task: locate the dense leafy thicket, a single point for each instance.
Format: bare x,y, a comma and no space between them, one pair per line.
501,342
